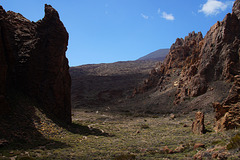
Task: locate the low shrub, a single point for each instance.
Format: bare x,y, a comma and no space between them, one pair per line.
234,142
125,157
25,158
144,126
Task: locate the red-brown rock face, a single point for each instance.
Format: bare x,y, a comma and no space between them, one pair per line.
183,54
218,58
202,61
182,50
228,112
33,60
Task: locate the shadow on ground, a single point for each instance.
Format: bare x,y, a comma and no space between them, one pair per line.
18,128
85,130
17,131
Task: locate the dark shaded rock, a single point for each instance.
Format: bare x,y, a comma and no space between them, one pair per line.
155,78
33,60
51,81
198,126
6,63
3,142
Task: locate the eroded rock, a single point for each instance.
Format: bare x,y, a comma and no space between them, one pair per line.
32,59
228,112
198,126
201,60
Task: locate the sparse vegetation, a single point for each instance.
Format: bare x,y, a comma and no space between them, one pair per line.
119,137
125,157
25,158
234,142
145,126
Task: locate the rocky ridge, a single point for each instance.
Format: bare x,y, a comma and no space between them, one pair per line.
182,53
202,61
32,59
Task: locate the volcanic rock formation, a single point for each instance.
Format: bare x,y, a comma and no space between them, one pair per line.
183,53
218,58
32,60
202,61
198,126
228,112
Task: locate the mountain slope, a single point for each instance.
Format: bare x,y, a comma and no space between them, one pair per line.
95,85
158,55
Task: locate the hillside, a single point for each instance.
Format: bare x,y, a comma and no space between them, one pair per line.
96,85
158,55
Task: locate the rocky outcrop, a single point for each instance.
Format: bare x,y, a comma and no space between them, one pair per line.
218,59
201,60
198,126
183,50
33,60
183,53
228,112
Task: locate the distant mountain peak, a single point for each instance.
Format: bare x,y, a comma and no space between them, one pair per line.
158,55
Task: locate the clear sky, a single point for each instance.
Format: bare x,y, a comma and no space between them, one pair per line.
103,31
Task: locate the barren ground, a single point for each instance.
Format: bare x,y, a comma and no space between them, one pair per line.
103,135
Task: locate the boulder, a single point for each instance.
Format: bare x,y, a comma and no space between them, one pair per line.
198,125
172,116
180,149
198,145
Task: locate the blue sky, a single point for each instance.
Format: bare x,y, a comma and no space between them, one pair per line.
104,31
